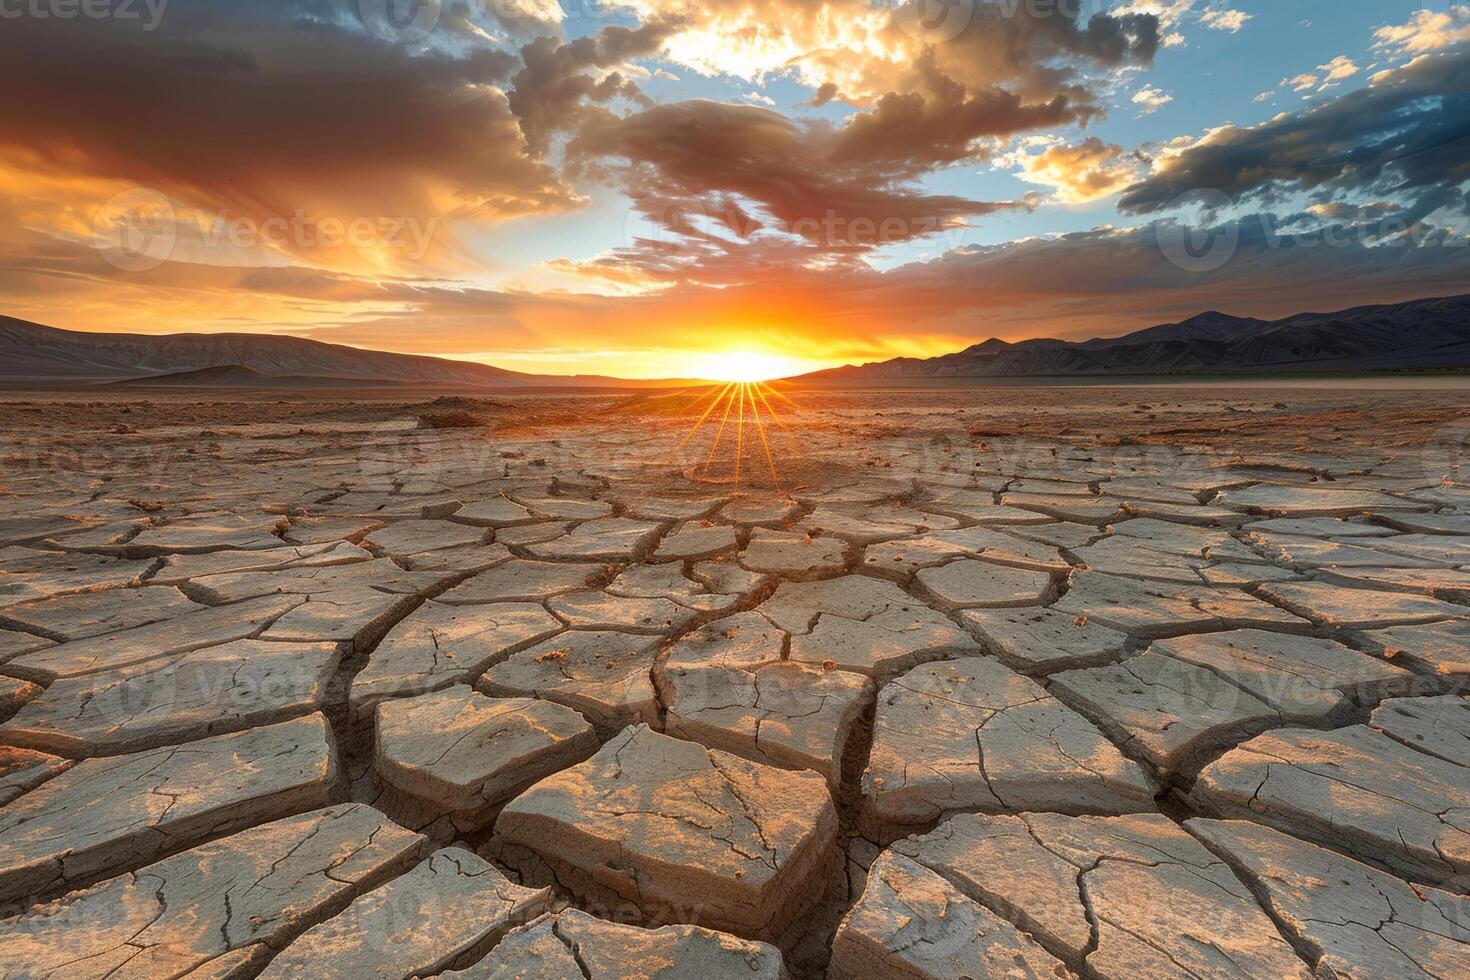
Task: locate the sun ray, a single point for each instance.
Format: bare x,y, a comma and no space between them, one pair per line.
761,390
714,404
779,394
785,429
714,392
740,436
735,396
720,433
760,429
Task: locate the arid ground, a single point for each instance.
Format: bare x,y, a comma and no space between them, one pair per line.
1130,682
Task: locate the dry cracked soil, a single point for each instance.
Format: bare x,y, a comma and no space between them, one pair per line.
1109,682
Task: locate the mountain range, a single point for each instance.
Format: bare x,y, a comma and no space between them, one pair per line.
34,354
1422,334
1418,335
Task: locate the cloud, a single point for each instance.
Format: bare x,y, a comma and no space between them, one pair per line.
1220,19
836,187
1151,100
1170,15
1114,280
1326,76
1337,70
1427,30
945,122
825,93
1304,82
265,112
1173,14
528,15
750,174
866,49
559,80
261,111
996,59
1086,172
1407,132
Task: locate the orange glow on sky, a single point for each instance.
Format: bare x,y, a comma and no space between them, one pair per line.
745,365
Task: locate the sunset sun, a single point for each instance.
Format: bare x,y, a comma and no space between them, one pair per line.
745,366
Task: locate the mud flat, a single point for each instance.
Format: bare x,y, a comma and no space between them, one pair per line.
1109,682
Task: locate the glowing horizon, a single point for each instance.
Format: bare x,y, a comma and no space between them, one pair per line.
745,366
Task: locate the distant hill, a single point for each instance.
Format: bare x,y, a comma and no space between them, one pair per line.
236,376
34,354
1428,333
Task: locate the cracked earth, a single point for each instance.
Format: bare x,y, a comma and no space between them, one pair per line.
1107,683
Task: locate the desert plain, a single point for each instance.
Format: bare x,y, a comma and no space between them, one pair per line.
1113,682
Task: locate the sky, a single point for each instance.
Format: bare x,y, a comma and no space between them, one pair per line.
664,188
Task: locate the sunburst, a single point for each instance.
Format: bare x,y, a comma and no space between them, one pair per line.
741,405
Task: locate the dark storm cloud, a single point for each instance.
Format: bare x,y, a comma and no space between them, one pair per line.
693,155
1267,262
939,125
559,78
927,87
286,109
1406,133
1041,50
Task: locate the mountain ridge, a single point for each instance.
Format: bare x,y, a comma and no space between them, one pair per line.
1420,334
35,353
235,376
1415,335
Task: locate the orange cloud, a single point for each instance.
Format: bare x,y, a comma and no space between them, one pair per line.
1086,172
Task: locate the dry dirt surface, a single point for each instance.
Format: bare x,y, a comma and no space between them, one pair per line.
1151,681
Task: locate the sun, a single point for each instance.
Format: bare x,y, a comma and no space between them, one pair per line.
745,366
